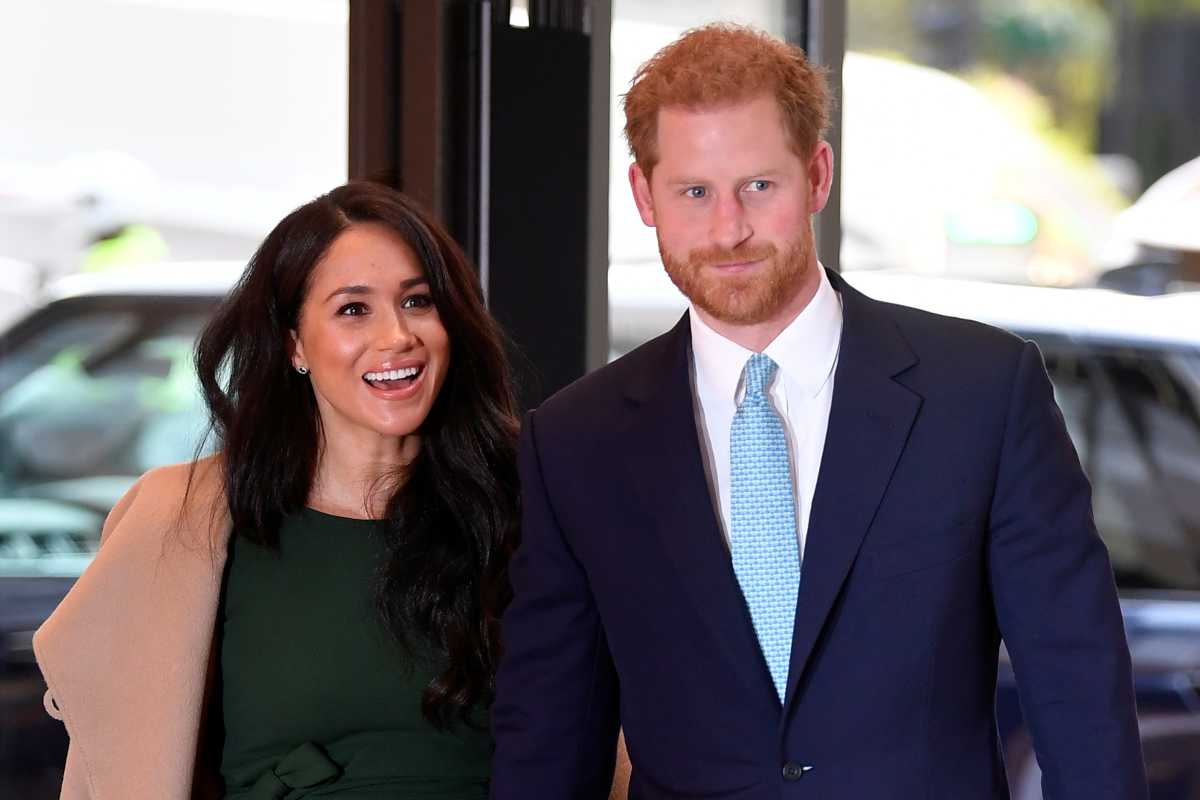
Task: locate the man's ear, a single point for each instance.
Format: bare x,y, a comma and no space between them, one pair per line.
640,183
820,176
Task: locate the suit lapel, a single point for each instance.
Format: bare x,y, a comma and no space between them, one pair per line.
869,423
671,482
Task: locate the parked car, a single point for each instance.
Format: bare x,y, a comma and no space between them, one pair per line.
96,386
1126,373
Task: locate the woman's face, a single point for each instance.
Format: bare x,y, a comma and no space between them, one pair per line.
371,339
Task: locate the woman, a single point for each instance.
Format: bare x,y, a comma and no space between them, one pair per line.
313,611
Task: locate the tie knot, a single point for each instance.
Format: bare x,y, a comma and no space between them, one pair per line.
757,373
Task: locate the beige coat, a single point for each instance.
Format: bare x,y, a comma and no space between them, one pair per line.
126,654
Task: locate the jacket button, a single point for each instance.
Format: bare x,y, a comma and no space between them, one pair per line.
793,771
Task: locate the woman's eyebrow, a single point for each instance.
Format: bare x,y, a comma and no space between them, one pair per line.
356,289
359,288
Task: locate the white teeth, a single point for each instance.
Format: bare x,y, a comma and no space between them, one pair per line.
392,374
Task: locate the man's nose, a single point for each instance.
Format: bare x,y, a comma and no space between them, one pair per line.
730,225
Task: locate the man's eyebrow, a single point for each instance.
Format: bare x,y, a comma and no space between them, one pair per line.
686,180
762,173
360,288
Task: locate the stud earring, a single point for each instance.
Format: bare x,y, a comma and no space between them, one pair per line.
302,370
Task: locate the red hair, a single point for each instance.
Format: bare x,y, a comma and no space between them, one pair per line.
724,64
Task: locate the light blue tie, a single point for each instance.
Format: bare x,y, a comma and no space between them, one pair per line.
766,555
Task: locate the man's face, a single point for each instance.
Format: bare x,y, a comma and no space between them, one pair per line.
731,204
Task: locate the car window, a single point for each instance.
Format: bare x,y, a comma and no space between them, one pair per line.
93,401
83,331
1133,415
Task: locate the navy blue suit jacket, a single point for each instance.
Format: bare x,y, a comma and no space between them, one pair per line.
950,513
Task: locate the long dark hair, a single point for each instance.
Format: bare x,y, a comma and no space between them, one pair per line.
452,521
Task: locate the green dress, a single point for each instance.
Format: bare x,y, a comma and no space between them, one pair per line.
317,700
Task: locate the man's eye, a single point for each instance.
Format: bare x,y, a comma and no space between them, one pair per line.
758,186
695,192
417,301
352,310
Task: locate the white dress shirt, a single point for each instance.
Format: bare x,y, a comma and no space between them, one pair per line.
806,352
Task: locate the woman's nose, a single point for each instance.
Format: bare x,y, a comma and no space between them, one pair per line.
396,335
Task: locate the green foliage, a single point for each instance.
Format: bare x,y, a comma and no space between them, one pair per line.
1063,49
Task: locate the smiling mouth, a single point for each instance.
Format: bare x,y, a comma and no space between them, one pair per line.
392,379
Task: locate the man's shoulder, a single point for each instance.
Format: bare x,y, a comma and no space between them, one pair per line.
606,389
932,334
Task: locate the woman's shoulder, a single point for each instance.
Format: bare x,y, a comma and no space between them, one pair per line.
177,492
179,478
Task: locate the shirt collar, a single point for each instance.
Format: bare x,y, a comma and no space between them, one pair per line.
806,350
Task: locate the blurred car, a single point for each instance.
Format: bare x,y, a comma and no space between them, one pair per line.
96,387
1126,373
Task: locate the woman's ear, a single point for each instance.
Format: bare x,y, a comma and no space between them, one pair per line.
299,363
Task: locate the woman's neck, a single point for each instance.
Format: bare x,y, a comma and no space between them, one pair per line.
358,482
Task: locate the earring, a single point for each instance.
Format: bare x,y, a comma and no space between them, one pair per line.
302,370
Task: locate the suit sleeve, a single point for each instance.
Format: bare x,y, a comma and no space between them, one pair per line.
1056,604
555,716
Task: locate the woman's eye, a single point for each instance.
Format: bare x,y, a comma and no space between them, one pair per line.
418,301
352,310
695,192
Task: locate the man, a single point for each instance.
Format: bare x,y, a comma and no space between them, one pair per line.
780,544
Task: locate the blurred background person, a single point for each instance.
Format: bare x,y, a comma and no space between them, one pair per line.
112,193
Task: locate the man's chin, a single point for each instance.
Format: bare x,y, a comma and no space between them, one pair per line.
737,308
739,317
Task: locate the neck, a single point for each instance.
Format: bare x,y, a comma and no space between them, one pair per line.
353,481
757,335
